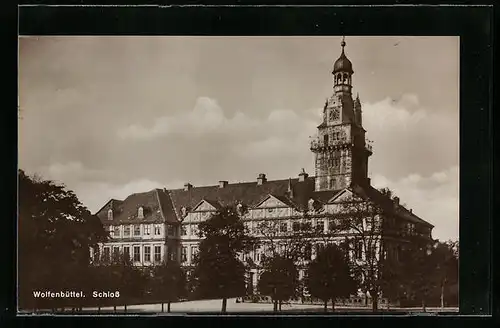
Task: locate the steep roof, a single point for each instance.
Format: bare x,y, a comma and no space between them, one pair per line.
162,205
386,202
166,205
127,211
248,193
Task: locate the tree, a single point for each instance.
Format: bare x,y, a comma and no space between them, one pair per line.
279,279
289,243
127,278
362,222
428,268
56,232
329,275
169,282
218,272
447,267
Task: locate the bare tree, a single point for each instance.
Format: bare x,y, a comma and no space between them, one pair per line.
362,225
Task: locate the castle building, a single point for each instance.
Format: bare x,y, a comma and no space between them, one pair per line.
160,223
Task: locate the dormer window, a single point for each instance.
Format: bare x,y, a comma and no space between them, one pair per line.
310,204
184,211
110,214
140,213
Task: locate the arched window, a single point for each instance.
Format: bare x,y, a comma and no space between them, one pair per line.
345,77
339,78
140,213
110,214
325,139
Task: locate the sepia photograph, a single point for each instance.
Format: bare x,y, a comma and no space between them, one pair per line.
238,174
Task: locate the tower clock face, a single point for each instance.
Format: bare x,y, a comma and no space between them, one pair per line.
334,115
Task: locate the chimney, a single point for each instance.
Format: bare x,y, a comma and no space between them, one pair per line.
396,201
369,181
411,211
303,175
187,186
222,184
261,179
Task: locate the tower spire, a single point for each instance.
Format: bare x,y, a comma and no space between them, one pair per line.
342,44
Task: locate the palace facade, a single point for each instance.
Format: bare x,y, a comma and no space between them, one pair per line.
160,223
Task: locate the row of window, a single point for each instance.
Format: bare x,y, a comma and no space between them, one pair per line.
296,226
355,249
184,253
140,213
135,256
135,230
193,230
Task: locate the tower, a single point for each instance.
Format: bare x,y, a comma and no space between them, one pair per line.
340,150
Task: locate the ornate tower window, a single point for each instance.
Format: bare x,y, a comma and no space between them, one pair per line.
140,213
110,214
332,183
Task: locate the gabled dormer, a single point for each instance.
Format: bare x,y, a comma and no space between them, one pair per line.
206,206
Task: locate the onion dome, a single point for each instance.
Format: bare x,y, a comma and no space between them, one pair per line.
343,64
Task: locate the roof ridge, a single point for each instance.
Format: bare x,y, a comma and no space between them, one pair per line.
238,183
159,204
109,201
173,204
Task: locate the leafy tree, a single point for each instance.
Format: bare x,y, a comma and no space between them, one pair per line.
128,279
218,271
428,268
279,279
329,275
447,267
169,282
56,232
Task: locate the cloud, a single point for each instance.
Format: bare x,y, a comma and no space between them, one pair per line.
282,135
414,149
409,138
433,198
95,195
206,117
70,172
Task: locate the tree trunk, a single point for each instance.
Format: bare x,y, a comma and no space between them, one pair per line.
224,305
162,307
423,306
374,302
275,305
333,304
279,304
168,306
114,308
326,305
125,308
442,295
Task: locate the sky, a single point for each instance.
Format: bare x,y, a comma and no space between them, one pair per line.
112,116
